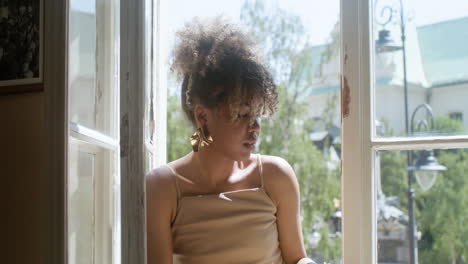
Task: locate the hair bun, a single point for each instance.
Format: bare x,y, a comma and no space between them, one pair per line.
202,44
219,65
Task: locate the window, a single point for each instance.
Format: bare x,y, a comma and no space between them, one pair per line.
395,135
376,137
376,134
456,116
93,184
301,46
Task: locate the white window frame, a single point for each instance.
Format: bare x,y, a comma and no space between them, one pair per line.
92,141
139,55
360,143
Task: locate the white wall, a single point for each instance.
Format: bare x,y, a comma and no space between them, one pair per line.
447,99
390,105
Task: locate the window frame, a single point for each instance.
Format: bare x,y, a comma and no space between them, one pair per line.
104,145
360,143
358,194
358,139
133,98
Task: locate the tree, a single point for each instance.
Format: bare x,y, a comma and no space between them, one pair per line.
290,57
441,211
178,130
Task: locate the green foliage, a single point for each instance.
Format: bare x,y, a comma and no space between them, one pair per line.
442,211
446,125
394,175
287,134
179,130
289,55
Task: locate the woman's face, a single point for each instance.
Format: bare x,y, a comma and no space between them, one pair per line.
233,139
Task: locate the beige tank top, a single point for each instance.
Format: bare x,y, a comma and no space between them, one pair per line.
230,227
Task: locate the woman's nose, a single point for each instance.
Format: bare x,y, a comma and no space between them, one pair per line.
255,125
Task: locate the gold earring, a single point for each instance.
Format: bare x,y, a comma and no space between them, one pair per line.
200,139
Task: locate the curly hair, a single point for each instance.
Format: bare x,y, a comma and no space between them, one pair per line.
220,65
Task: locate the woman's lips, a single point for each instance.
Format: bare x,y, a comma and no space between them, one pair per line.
251,141
250,146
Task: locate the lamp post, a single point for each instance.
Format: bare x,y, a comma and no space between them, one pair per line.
336,218
425,169
426,166
385,44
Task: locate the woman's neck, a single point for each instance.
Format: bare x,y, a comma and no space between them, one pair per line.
215,169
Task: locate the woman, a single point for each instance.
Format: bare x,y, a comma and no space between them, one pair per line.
220,203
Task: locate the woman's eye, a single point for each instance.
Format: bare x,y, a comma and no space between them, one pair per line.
243,115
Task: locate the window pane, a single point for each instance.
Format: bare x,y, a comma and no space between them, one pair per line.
82,62
301,44
92,64
420,58
440,206
93,184
90,203
81,206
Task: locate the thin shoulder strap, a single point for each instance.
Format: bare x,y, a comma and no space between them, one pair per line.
260,169
174,173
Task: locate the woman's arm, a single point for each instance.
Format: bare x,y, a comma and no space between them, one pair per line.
160,208
282,185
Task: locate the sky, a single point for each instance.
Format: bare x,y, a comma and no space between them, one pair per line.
318,16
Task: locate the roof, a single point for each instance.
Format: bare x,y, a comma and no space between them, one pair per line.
326,89
444,51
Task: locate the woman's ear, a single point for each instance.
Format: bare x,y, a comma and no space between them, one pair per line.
201,115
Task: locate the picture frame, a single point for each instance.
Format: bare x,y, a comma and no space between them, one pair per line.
21,46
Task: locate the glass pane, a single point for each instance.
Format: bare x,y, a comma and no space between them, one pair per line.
82,62
92,64
301,44
94,216
421,78
435,186
149,161
81,217
91,201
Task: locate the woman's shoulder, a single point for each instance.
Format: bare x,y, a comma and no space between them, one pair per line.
276,167
160,174
162,178
279,177
161,190
164,174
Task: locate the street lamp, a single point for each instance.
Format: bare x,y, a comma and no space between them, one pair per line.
336,218
385,44
426,167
